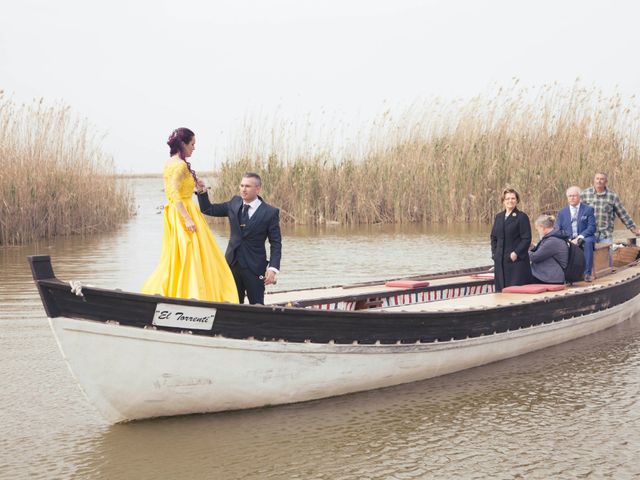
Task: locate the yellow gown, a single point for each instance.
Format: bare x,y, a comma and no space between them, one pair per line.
191,263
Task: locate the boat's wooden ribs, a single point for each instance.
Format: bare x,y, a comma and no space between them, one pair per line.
459,272
394,298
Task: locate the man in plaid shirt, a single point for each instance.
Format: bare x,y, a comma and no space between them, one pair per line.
607,205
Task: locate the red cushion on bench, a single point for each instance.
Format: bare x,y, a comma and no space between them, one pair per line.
489,276
554,287
534,288
407,283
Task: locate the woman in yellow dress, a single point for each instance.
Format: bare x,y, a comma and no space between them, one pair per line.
191,263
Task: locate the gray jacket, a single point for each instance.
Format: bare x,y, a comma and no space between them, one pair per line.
549,257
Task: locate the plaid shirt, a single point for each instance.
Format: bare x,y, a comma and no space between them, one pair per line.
606,205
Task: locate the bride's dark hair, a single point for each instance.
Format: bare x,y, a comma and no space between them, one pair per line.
177,142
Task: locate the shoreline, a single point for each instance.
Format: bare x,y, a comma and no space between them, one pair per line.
156,174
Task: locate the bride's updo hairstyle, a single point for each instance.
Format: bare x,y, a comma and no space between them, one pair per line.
177,142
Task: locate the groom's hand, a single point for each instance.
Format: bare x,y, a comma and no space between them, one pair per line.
200,186
269,277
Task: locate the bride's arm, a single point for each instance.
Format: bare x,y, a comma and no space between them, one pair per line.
174,194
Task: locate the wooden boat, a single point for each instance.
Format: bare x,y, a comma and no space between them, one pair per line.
139,356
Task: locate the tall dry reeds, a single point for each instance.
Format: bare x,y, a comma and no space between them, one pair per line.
54,178
446,161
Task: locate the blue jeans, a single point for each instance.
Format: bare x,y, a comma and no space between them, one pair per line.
608,240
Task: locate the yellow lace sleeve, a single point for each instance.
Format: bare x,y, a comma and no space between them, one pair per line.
175,177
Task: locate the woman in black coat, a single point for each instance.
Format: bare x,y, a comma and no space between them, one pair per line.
510,241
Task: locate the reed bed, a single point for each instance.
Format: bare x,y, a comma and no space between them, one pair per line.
445,162
54,178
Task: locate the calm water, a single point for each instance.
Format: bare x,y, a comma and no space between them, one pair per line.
572,411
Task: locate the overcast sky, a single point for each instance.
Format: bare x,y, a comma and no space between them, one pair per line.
137,69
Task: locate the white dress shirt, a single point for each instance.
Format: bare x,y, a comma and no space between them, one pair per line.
574,221
253,206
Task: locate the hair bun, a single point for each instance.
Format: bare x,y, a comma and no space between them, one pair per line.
172,137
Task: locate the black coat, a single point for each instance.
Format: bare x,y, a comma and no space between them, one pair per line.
512,234
246,245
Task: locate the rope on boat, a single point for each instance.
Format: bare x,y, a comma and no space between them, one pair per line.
76,287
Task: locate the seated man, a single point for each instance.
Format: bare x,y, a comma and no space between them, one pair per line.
578,222
550,256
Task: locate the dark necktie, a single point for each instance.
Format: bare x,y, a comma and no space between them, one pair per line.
244,215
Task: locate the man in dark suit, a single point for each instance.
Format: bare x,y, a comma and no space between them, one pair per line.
252,222
578,222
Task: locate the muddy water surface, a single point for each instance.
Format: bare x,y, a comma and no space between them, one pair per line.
572,411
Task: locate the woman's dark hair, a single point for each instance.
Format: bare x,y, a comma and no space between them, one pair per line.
177,142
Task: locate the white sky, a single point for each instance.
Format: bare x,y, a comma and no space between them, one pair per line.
138,69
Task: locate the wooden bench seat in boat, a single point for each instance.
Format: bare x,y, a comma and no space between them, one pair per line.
487,276
406,283
601,265
533,288
605,261
376,289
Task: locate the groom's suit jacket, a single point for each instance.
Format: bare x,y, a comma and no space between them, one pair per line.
246,244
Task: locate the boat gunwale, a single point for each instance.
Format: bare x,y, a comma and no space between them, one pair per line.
288,347
58,284
298,325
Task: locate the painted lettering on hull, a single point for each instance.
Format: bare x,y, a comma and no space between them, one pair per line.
180,316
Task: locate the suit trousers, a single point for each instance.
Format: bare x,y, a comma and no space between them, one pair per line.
248,284
587,248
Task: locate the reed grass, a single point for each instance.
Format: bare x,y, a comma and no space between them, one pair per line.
54,178
445,162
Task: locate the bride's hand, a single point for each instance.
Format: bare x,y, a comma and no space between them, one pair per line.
201,187
189,225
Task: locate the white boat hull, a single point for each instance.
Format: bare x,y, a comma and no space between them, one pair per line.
131,373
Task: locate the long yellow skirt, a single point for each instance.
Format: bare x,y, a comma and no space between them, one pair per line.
191,263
